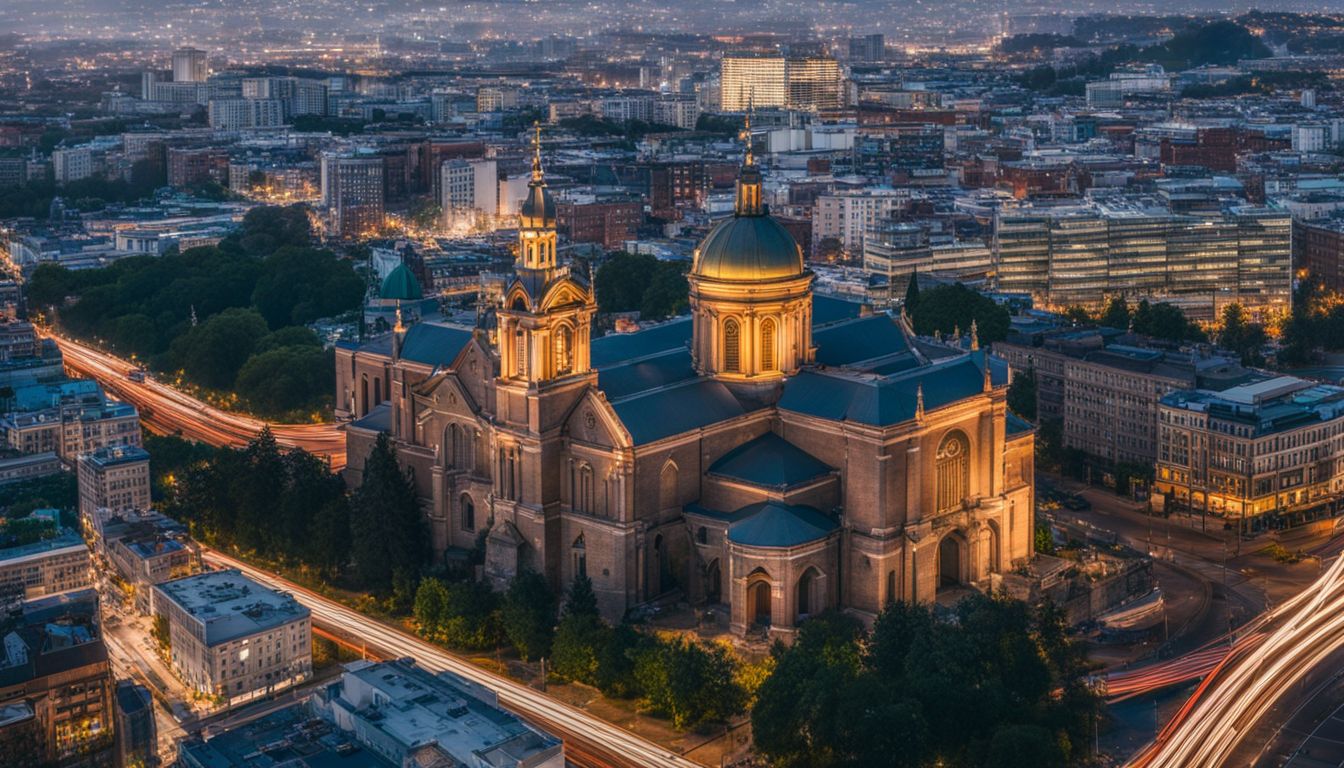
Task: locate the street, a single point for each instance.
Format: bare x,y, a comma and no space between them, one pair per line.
169,411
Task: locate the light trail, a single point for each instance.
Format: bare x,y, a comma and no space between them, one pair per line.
1246,684
169,411
589,741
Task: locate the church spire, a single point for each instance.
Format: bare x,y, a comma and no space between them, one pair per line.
749,201
537,175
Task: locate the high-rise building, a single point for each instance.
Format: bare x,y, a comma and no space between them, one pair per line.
237,114
137,733
189,66
72,164
752,80
814,83
352,191
848,215
869,48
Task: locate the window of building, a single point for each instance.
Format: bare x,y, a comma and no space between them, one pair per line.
732,341
768,345
468,513
564,350
953,471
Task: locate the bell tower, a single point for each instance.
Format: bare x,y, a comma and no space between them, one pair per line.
546,320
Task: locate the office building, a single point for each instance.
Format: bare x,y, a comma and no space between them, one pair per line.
413,717
232,637
469,193
1318,248
867,49
18,469
196,166
352,191
56,685
70,430
240,114
189,66
71,164
753,80
38,557
848,215
114,479
814,83
1082,255
1266,451
1104,387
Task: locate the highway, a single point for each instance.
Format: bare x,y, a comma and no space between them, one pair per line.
167,411
1305,632
589,741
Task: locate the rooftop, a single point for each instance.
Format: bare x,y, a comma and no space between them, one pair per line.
231,605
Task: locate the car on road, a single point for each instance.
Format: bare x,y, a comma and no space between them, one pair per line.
1076,503
137,374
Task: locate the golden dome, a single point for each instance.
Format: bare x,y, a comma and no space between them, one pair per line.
748,248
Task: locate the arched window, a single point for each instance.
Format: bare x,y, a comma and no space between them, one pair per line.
667,487
732,342
768,345
520,353
377,391
564,350
579,551
452,441
953,471
468,513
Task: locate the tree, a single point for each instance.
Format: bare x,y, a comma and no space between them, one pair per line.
629,282
213,352
159,631
1077,315
1116,314
1242,336
688,681
1022,394
387,527
528,615
912,292
431,608
286,379
579,636
954,307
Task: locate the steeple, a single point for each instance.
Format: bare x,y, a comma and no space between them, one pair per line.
749,201
536,217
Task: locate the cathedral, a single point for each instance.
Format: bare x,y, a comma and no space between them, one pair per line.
773,455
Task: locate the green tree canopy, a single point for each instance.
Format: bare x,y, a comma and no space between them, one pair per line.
528,615
953,307
628,282
387,526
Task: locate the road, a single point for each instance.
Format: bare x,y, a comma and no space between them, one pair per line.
589,741
1301,635
168,411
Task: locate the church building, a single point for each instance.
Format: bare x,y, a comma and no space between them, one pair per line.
775,453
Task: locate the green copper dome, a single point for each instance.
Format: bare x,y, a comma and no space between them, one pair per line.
752,247
401,285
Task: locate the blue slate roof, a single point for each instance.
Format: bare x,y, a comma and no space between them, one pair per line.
827,310
1016,425
644,374
679,408
886,400
769,461
862,339
434,343
775,524
378,419
619,347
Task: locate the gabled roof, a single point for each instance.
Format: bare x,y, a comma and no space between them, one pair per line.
886,400
645,373
620,347
434,343
775,524
676,409
828,309
865,338
769,461
378,419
